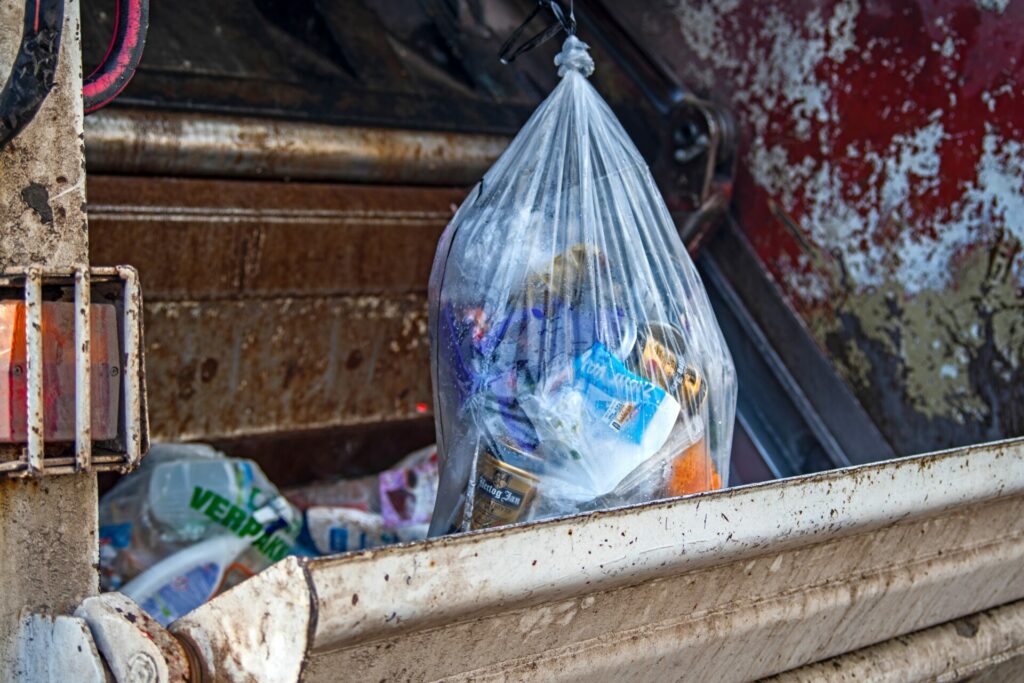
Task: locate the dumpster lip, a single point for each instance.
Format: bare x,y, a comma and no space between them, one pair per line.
354,598
447,579
918,461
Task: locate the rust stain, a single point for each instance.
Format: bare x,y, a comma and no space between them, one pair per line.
306,310
168,143
280,349
261,239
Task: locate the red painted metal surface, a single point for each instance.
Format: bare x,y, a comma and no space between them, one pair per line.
881,181
58,331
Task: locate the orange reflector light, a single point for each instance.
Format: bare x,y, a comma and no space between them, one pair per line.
58,332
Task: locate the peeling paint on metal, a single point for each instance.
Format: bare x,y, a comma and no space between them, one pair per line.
48,540
997,6
881,181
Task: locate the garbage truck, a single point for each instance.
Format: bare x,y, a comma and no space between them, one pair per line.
275,176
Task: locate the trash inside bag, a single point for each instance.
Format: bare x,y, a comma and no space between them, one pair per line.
576,362
393,506
189,524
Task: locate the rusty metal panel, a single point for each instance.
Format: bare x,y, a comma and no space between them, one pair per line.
222,368
275,307
204,239
880,183
390,63
170,143
727,586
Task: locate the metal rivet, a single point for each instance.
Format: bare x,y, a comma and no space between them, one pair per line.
114,370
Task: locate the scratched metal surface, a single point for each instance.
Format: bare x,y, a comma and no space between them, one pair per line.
881,182
987,647
48,542
275,307
730,586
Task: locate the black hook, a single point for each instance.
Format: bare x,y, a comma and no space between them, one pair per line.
507,55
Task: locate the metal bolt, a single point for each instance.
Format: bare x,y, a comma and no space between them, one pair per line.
114,370
17,371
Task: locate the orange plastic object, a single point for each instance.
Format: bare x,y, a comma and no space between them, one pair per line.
693,472
58,329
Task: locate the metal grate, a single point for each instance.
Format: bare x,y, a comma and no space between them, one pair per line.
121,454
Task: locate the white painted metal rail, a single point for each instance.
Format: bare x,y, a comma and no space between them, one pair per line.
989,645
732,585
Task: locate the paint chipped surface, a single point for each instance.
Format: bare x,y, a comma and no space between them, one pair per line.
881,182
997,6
42,217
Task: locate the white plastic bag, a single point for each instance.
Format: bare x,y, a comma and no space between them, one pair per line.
576,361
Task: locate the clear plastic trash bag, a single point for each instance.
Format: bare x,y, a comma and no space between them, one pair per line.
576,361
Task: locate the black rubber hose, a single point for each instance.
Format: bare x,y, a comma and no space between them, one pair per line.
131,23
35,67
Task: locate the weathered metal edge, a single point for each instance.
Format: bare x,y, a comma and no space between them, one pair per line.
952,651
423,584
329,605
190,144
262,637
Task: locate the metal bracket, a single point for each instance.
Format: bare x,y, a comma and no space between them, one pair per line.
696,161
135,647
123,454
702,165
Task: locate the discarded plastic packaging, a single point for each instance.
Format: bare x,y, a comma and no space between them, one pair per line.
358,494
393,506
577,363
339,530
185,580
190,523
